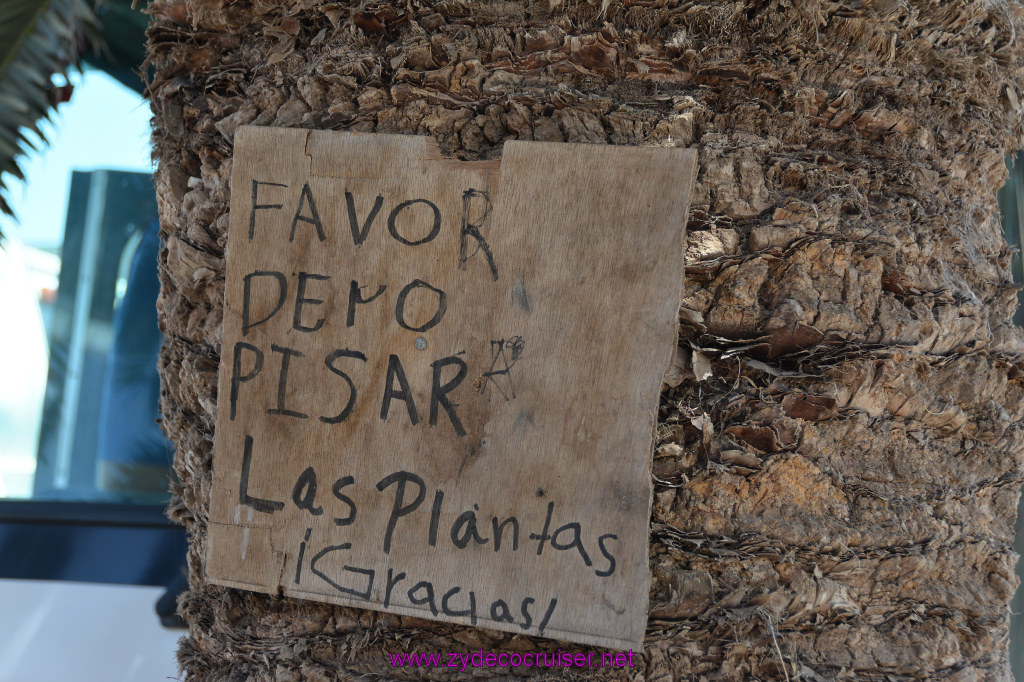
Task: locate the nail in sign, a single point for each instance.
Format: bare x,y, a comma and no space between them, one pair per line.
439,379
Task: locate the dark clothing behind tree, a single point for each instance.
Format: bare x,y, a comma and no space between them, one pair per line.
134,456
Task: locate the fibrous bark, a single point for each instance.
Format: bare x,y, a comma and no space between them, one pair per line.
838,464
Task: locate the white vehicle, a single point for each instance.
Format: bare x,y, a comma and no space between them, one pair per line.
89,566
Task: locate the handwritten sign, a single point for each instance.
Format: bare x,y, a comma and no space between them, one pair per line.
440,379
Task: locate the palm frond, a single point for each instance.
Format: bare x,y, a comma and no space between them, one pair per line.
38,38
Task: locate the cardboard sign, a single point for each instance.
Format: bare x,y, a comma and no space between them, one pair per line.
440,379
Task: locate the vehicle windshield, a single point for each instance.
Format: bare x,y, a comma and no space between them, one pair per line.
79,388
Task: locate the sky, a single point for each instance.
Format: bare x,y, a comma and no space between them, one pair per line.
105,125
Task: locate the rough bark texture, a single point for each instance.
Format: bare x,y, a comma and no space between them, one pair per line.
835,498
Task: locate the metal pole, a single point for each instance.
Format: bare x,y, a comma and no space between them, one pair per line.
87,265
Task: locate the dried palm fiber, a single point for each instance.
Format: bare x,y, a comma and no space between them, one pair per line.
836,498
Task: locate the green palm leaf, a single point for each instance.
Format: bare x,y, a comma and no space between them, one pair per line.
38,38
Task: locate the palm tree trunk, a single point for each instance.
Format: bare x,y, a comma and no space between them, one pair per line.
835,495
